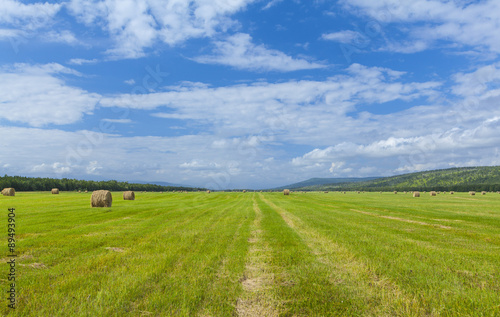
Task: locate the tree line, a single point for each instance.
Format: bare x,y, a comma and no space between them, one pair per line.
21,183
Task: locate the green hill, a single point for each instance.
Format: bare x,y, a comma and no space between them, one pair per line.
324,181
485,178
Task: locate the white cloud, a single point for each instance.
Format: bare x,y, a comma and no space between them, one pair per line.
271,4
82,61
65,36
346,37
27,16
135,25
297,109
477,83
34,94
463,22
122,121
238,51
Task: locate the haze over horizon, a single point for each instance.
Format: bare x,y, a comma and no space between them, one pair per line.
247,93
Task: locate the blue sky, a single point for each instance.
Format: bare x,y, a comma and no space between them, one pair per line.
247,94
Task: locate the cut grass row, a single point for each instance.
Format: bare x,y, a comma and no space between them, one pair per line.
257,254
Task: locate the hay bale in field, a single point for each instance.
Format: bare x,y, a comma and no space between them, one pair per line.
395,192
483,193
9,192
79,191
472,193
55,191
416,194
101,198
286,192
433,193
244,191
128,195
452,192
86,191
208,192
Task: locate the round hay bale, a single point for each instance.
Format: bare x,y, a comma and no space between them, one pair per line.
55,191
208,192
483,193
452,192
395,192
244,191
9,192
101,198
128,195
416,194
79,191
433,193
472,193
286,192
326,192
86,191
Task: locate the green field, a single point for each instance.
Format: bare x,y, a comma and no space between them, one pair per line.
255,254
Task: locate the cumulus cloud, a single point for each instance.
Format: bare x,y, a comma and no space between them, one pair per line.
135,25
298,109
238,51
37,95
463,22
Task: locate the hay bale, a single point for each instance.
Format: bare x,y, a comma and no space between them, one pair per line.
9,192
416,194
128,195
472,193
208,192
55,191
286,192
395,192
244,191
433,193
483,193
326,192
451,193
101,198
86,191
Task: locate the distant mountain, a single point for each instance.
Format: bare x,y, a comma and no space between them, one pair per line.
163,184
325,181
479,178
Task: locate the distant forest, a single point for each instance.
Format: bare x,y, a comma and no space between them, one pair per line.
20,183
462,179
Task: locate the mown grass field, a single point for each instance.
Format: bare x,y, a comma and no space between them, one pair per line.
255,254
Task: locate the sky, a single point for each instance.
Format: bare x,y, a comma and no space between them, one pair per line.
247,93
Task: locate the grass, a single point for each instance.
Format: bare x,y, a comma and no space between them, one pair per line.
256,254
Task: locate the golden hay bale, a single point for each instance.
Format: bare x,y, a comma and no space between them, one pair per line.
452,192
326,192
9,192
128,195
208,192
395,192
79,191
472,193
55,191
101,198
416,194
433,193
86,191
286,192
244,191
483,193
